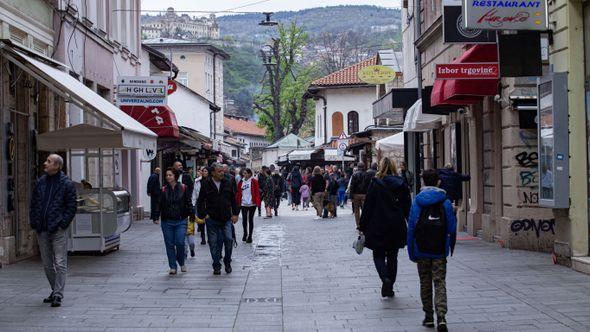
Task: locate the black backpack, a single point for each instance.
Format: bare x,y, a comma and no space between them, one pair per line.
431,230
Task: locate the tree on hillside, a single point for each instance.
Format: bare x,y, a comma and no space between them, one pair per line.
340,50
282,105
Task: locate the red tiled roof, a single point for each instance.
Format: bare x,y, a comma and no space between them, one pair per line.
346,76
243,127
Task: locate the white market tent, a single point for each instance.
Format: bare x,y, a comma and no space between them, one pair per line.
391,143
416,121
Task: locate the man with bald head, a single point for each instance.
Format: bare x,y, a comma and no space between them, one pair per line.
185,177
53,207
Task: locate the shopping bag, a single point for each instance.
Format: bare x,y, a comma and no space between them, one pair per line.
359,244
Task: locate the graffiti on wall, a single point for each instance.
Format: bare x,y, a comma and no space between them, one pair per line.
538,226
528,178
527,159
528,197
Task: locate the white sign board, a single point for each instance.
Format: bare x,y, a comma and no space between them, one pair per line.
142,91
342,146
505,14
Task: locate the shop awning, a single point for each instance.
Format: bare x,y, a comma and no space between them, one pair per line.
133,135
417,122
466,92
160,119
300,155
332,155
391,143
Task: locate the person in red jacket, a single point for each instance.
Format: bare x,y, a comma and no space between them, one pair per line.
248,198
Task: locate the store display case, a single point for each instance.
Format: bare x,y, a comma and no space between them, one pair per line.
103,215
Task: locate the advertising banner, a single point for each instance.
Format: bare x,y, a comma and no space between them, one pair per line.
466,71
506,14
142,91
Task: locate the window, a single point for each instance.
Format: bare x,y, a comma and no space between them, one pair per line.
337,124
353,122
182,78
234,153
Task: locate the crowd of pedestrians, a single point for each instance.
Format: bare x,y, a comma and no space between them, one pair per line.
210,204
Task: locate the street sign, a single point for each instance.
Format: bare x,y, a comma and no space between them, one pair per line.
377,75
506,14
142,91
466,71
455,32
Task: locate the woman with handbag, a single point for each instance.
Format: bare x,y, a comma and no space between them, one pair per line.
383,221
248,199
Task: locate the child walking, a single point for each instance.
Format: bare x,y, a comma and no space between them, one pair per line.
305,195
431,237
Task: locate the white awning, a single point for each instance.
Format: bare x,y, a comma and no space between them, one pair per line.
133,135
301,154
332,155
391,143
417,122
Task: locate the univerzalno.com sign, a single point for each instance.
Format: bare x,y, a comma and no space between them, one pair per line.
505,14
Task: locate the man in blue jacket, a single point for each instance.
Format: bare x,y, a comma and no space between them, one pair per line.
53,207
431,237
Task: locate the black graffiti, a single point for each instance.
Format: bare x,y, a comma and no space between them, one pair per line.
528,177
543,225
526,159
530,197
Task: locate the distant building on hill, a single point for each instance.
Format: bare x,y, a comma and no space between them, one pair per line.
172,25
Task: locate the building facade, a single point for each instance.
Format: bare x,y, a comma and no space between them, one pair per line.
200,69
172,25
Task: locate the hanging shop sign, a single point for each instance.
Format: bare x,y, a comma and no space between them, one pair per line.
506,14
454,30
377,75
142,91
172,87
466,71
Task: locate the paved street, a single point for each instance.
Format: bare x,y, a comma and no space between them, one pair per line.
300,275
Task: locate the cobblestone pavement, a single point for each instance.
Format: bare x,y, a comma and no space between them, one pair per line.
299,275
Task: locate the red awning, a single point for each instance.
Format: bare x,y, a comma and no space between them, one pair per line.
466,92
160,119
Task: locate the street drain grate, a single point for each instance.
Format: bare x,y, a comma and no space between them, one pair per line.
262,300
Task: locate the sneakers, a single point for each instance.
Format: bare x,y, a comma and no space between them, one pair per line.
228,268
442,325
56,302
387,288
172,272
183,268
216,272
244,238
203,242
249,239
428,322
48,299
192,252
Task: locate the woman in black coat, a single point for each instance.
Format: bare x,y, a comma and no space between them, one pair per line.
383,222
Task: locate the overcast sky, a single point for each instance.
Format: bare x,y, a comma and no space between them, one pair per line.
263,5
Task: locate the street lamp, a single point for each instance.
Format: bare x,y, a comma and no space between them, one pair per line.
267,22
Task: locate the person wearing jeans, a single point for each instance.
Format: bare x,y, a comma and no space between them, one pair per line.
217,204
248,197
53,207
174,209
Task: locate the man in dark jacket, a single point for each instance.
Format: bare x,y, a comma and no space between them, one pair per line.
358,190
450,181
217,203
185,177
279,183
53,207
154,188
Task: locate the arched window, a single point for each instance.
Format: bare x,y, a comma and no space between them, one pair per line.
353,122
337,124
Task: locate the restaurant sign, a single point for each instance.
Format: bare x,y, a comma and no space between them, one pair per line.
142,91
466,71
505,14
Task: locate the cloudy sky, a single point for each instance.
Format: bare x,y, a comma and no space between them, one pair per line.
256,5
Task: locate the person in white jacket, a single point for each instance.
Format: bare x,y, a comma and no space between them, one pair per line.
203,173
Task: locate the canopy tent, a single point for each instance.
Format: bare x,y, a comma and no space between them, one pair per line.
332,155
391,143
416,121
298,155
121,130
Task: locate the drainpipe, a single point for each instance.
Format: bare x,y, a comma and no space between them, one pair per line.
414,138
215,98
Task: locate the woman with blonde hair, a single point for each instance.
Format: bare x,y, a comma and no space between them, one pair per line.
383,221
